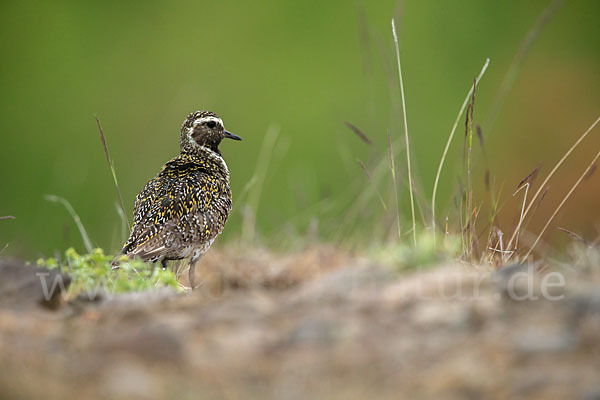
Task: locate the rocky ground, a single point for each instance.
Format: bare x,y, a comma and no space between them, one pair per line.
316,325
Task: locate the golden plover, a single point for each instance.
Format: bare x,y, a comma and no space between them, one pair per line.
180,212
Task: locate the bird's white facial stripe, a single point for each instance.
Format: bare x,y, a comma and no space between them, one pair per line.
202,120
190,138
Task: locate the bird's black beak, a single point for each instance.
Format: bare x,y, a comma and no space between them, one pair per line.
230,135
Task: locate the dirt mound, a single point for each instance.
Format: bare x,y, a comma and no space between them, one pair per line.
316,325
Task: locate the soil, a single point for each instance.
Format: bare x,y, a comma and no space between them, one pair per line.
315,325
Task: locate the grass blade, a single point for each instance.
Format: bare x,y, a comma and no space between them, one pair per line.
393,169
450,137
410,185
112,169
86,239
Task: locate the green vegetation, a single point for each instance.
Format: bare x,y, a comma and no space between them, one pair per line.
429,252
93,272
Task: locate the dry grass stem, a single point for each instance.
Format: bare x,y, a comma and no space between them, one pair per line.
564,200
556,167
521,186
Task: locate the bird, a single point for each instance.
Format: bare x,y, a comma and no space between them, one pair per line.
179,213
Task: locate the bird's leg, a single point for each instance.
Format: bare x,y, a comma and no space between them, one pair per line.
163,262
193,261
191,273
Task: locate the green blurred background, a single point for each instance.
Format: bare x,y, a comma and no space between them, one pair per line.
300,69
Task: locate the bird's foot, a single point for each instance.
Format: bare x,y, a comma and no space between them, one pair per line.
192,276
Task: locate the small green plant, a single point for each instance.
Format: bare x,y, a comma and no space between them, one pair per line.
405,257
93,272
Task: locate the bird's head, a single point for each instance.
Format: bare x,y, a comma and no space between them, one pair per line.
203,129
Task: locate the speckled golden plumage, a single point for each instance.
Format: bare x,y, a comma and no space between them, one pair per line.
179,213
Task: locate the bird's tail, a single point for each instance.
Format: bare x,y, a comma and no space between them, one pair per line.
125,251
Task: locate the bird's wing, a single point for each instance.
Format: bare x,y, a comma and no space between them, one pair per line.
153,192
176,191
146,198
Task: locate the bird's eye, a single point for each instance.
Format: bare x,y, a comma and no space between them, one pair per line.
211,124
